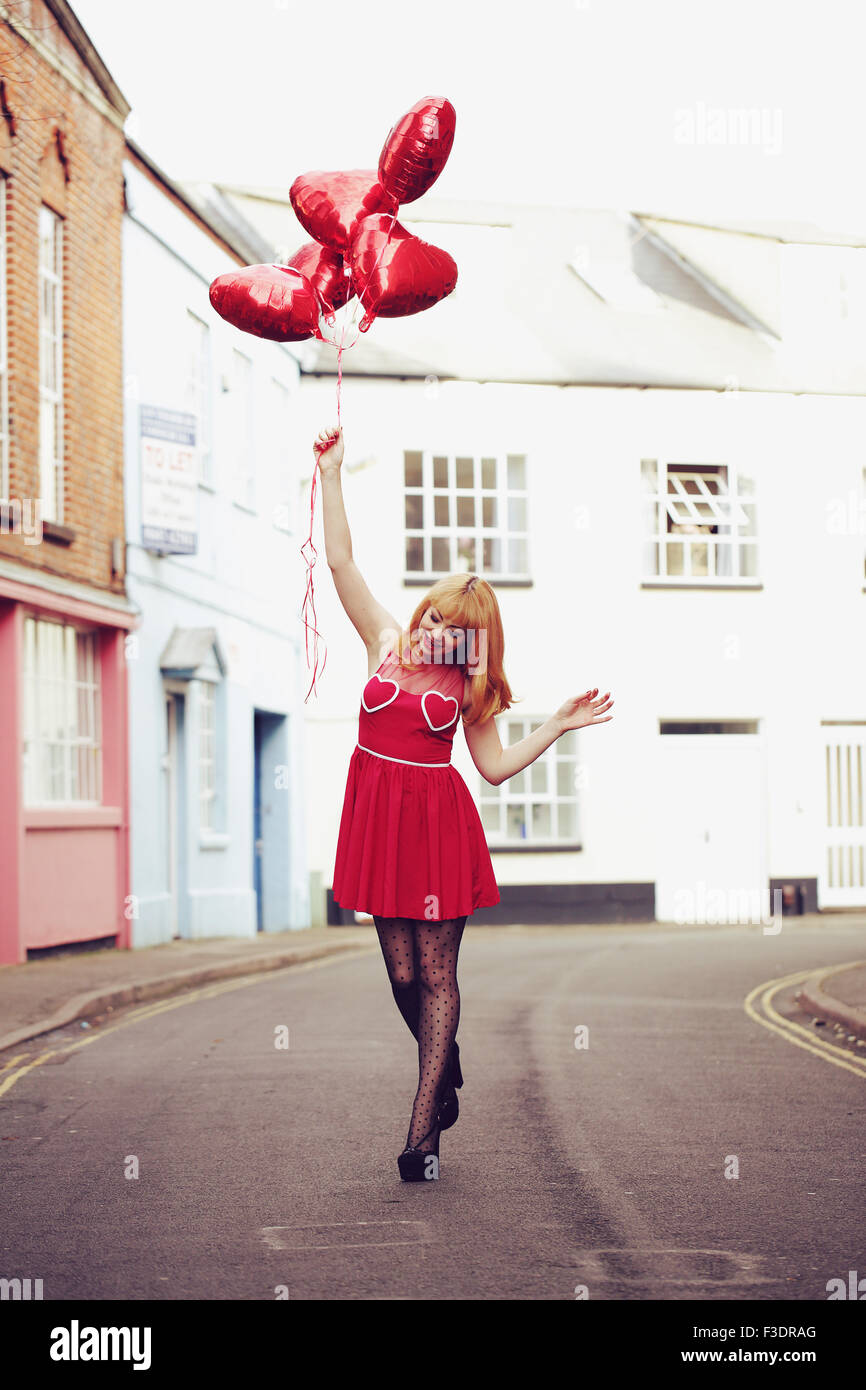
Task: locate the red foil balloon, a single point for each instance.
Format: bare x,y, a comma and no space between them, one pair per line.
414,154
326,272
271,301
329,206
411,275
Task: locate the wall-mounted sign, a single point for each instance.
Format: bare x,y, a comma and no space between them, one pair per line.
169,484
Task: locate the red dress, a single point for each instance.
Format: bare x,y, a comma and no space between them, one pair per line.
411,843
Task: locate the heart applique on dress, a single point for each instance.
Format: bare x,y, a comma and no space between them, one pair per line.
445,700
383,680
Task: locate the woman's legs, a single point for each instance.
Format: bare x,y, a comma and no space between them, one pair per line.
437,945
397,939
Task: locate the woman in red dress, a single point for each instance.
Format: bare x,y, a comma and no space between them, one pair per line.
411,849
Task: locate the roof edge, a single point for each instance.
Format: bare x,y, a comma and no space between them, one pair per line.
84,47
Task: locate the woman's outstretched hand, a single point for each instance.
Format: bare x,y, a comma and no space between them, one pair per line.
328,449
583,710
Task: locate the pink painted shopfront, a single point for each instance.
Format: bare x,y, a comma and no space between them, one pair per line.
64,808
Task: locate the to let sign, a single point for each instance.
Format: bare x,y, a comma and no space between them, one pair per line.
169,486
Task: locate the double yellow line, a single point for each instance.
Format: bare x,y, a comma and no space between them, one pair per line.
795,1032
161,1006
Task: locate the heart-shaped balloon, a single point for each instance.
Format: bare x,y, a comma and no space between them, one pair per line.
329,205
411,275
271,301
414,154
327,273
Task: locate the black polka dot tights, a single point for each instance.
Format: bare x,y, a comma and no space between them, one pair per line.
421,959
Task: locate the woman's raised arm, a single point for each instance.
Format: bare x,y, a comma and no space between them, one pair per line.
372,621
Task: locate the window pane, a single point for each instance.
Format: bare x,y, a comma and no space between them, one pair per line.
466,552
465,511
538,777
489,511
517,513
441,511
749,561
414,554
493,556
488,473
517,557
412,468
745,484
566,812
465,472
565,777
516,466
61,713
441,555
414,511
675,558
541,820
440,471
516,828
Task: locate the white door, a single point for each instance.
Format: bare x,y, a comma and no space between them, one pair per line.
842,878
709,824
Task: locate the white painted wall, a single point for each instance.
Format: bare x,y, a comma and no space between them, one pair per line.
238,582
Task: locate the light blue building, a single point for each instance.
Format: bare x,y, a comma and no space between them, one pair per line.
216,729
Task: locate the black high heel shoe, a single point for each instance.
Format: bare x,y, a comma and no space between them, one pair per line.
450,1105
415,1164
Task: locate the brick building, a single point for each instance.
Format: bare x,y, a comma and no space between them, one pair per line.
63,609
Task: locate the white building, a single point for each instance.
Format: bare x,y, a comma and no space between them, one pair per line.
651,438
218,831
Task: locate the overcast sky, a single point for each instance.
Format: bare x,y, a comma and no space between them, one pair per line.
591,103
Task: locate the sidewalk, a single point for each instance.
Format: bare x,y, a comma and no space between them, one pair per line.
41,995
838,995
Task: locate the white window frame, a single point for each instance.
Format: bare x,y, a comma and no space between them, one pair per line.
703,495
286,501
242,433
4,347
207,755
442,542
541,784
200,393
62,714
51,282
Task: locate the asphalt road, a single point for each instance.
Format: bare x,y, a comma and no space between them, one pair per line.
600,1168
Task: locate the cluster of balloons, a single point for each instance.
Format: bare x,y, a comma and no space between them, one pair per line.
359,247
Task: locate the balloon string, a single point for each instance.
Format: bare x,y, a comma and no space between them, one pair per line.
309,595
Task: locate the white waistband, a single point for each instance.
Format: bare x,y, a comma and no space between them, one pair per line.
400,760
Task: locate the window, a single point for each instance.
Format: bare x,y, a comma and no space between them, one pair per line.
700,521
62,752
241,433
4,360
50,364
207,755
538,806
280,444
465,513
199,395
